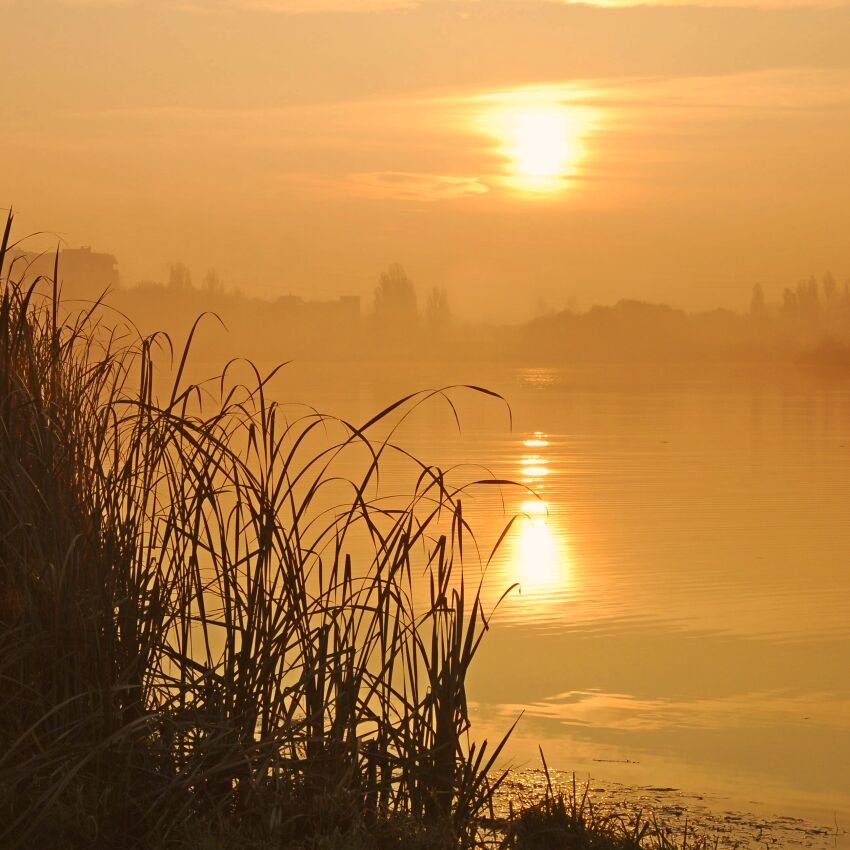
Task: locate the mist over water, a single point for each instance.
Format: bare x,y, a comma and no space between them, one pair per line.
682,609
677,601
600,252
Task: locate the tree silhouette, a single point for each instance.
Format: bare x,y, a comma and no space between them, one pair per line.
179,278
212,283
438,314
758,308
830,289
395,297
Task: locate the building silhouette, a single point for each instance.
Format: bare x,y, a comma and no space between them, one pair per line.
83,274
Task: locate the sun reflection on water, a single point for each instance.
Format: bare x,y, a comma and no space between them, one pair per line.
538,441
533,469
538,558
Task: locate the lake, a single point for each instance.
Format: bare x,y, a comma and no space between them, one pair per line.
682,615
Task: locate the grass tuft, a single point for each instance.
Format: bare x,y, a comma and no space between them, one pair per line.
569,819
194,649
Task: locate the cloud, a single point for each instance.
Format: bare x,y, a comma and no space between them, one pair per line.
365,6
211,6
97,4
718,4
404,186
297,6
390,186
455,7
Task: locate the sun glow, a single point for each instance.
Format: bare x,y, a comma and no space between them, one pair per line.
540,145
540,137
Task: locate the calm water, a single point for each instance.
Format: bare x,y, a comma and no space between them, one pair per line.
683,615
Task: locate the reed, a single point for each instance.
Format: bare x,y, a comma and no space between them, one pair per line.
194,648
569,819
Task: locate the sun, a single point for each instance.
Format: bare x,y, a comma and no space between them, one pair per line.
539,145
540,137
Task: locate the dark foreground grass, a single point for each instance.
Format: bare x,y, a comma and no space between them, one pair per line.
189,653
569,819
194,649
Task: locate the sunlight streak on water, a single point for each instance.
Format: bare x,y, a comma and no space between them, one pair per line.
539,560
538,441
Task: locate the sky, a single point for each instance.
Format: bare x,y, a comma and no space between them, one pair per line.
523,155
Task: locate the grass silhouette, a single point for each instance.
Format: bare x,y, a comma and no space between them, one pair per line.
210,636
187,645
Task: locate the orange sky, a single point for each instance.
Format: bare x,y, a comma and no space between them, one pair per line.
509,151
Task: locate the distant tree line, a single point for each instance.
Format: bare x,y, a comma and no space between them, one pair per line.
395,302
810,321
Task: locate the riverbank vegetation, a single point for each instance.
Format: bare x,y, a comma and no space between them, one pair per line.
567,817
189,649
209,637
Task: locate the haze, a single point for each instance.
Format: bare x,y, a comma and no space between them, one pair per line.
242,609
511,153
